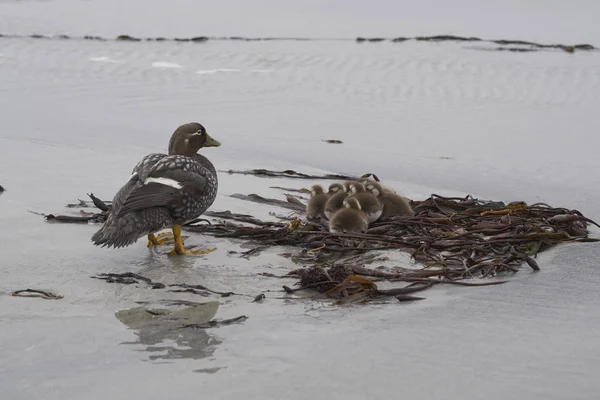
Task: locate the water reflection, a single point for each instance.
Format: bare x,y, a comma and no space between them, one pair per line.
172,333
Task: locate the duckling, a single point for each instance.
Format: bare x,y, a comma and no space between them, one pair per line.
393,204
337,194
316,205
366,178
349,219
369,203
165,190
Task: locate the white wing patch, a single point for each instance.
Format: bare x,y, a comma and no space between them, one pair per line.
164,181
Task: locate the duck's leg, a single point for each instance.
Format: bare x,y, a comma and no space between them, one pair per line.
160,239
180,250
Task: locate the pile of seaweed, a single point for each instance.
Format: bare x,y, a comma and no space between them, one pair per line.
454,238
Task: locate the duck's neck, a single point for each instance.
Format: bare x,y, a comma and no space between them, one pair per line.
205,162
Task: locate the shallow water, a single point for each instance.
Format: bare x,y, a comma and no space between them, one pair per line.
426,118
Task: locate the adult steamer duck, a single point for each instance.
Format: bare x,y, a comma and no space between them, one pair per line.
164,191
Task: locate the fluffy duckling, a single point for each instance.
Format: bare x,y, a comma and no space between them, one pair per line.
349,219
369,203
393,204
337,194
366,178
316,205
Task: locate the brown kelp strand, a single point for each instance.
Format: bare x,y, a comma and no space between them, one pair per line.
128,278
44,294
290,174
291,203
217,323
569,48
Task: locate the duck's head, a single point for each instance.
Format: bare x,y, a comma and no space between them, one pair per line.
351,202
374,188
356,187
189,138
335,188
316,189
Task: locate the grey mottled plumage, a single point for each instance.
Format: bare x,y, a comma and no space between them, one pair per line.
164,190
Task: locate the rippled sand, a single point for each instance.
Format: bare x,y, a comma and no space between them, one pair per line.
426,118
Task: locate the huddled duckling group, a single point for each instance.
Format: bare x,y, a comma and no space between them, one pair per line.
352,206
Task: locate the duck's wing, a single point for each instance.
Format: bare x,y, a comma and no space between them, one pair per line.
138,175
144,166
164,183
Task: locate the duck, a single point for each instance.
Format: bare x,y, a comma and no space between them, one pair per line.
337,193
164,191
393,204
349,219
316,204
369,203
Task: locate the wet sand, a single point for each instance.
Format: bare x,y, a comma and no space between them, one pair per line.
426,118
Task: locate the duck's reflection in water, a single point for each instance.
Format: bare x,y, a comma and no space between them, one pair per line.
172,333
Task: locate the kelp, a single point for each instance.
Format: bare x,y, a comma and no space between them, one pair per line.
289,174
448,232
44,294
200,39
455,239
128,278
346,283
292,203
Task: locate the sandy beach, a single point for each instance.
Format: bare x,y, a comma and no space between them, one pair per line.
447,118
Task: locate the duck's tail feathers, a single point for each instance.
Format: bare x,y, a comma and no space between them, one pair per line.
125,231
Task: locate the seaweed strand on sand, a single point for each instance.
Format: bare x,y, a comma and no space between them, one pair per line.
569,48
